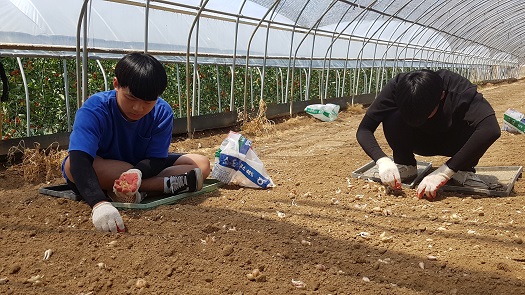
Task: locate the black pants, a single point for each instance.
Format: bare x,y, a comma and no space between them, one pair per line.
172,157
405,141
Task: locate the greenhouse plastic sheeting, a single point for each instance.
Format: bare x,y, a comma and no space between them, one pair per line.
292,30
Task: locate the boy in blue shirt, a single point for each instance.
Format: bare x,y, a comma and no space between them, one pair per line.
119,144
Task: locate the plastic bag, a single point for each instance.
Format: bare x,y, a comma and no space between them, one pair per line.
324,112
513,122
237,163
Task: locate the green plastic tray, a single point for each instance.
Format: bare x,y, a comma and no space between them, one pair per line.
63,191
152,202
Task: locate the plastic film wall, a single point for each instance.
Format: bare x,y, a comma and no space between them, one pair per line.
308,49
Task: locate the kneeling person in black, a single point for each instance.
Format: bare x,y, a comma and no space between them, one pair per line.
429,113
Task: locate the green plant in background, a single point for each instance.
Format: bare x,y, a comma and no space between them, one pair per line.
47,93
46,97
210,99
172,93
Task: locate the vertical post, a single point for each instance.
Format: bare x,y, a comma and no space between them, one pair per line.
66,95
5,93
218,87
79,26
85,65
26,90
146,27
188,114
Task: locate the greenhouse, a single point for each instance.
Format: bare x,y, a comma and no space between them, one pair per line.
225,56
304,147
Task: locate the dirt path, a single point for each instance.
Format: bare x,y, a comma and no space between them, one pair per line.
457,244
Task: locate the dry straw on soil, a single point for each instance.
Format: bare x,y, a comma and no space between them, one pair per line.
38,165
355,109
260,124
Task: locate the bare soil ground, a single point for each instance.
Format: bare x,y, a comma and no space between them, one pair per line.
233,241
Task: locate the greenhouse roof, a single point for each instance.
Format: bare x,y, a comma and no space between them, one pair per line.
274,33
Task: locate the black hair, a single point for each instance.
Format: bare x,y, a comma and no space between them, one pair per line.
418,94
143,74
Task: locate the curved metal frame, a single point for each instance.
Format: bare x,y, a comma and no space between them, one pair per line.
316,24
245,114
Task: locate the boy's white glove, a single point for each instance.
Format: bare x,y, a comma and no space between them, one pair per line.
389,173
432,182
106,218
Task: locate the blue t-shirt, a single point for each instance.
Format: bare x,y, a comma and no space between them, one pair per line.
100,129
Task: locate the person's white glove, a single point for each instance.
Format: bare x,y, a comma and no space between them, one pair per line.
388,172
106,218
432,182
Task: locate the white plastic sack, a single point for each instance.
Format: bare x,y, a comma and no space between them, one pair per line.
237,163
324,112
513,122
